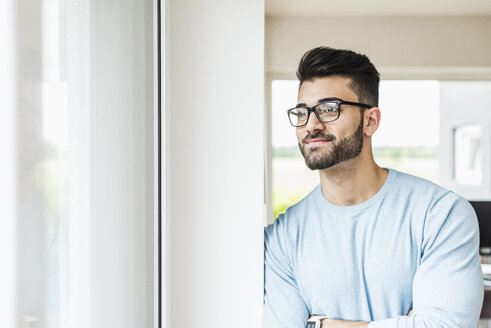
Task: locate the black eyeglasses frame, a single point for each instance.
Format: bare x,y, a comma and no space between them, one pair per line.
312,109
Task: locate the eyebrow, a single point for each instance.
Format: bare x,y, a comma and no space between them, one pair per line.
319,101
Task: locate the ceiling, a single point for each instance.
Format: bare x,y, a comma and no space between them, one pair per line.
316,8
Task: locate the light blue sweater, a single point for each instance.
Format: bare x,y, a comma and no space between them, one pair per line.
413,245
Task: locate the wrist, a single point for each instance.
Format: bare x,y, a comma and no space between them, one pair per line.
315,321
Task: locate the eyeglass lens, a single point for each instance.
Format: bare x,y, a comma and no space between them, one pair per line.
326,112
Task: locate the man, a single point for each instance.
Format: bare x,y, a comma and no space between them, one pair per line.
368,247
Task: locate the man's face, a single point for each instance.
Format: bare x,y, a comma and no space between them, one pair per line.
324,145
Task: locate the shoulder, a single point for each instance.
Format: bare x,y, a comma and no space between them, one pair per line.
436,198
439,206
447,215
447,220
452,210
414,191
410,183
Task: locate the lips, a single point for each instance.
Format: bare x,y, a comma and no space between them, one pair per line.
318,138
317,141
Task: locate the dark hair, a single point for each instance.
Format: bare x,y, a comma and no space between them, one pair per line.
323,61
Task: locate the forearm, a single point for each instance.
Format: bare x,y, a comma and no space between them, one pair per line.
332,323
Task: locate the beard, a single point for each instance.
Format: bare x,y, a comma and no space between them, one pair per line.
319,158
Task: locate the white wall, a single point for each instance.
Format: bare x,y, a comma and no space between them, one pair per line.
401,47
213,139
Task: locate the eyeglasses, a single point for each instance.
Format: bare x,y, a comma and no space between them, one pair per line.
326,111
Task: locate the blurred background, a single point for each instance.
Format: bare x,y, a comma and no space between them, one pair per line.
79,171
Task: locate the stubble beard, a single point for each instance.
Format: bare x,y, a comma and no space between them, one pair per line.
319,158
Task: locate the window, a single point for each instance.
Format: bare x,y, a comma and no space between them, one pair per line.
77,123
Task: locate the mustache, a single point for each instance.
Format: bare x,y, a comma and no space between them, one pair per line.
319,135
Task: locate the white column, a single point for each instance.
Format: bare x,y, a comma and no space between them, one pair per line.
215,95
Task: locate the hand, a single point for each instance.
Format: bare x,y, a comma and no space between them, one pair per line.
410,313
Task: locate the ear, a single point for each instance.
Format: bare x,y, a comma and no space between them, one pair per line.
371,121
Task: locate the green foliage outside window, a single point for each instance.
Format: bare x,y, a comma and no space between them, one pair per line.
284,198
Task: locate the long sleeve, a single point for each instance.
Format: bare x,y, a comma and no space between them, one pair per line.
447,286
283,305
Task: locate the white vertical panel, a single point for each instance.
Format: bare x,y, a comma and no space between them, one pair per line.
121,163
8,164
216,158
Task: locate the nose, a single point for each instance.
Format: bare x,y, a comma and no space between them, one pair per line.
314,124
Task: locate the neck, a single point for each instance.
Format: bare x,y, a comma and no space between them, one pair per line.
352,182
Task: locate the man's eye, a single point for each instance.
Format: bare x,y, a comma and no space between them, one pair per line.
327,109
301,113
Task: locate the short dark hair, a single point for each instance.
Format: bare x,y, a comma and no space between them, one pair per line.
324,61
